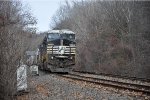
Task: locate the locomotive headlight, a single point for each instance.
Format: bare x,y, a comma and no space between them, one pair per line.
52,57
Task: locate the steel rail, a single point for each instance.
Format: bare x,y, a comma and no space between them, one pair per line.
145,89
117,76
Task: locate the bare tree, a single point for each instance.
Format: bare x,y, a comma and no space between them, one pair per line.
14,41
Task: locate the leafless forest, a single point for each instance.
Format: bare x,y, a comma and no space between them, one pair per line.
112,36
16,37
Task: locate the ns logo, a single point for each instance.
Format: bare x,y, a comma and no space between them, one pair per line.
61,49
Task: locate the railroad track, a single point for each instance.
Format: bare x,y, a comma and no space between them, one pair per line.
131,85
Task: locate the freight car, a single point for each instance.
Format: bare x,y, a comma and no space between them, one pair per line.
57,51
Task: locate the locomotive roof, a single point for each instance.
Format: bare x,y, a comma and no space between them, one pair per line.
64,31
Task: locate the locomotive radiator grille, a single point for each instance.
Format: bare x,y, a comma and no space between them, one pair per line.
57,49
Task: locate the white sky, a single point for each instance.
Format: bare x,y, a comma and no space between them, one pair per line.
43,10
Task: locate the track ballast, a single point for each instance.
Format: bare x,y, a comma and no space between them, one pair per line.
132,85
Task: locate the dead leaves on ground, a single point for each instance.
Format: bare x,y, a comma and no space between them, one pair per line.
42,89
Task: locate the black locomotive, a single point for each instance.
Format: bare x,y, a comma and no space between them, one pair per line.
57,51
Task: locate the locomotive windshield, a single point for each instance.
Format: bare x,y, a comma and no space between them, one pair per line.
68,36
53,36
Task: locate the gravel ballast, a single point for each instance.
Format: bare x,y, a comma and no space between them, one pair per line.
49,86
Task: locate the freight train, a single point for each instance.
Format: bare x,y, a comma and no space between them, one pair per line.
57,51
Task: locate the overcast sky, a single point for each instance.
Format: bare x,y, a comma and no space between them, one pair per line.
43,10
